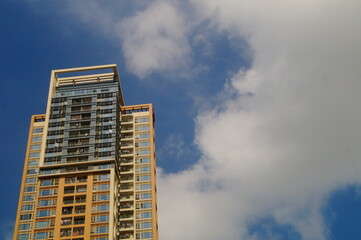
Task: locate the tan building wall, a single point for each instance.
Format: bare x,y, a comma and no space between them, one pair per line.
105,198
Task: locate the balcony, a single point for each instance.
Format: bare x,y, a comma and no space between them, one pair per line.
126,152
126,206
126,136
78,142
124,198
126,236
126,226
127,144
126,216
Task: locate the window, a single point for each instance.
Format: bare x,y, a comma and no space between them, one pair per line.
47,202
143,120
26,216
101,229
30,180
146,205
27,207
101,187
144,235
68,190
48,192
28,198
35,146
144,169
101,197
102,177
144,225
101,218
144,196
45,213
144,152
143,128
34,154
144,215
23,236
49,182
144,144
100,208
32,171
43,224
143,160
144,186
30,189
81,189
33,163
143,136
24,226
36,139
41,235
144,178
37,130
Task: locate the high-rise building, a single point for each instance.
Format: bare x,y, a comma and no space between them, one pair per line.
89,171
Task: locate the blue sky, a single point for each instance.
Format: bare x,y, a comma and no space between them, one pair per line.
256,106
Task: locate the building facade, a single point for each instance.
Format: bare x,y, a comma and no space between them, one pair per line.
90,169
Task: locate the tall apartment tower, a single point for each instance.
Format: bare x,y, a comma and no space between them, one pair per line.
89,171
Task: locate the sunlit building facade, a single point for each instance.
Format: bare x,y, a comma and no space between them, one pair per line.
89,171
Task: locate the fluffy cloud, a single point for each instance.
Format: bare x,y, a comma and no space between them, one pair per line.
291,136
154,39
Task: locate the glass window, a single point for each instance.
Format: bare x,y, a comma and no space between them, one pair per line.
145,235
145,196
48,192
100,208
37,130
103,218
27,207
42,224
33,163
35,146
24,226
101,197
34,154
103,177
32,171
143,119
26,216
144,178
143,136
101,229
40,235
144,186
49,182
47,202
44,213
144,160
144,152
30,189
145,215
146,205
23,236
144,169
101,187
31,180
144,144
143,128
28,198
36,139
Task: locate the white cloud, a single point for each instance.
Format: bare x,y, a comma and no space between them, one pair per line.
280,152
154,39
